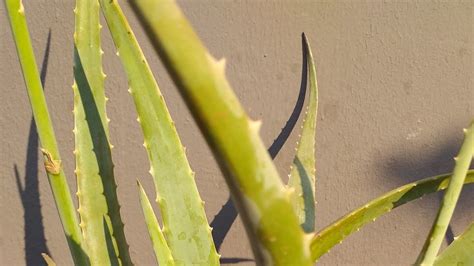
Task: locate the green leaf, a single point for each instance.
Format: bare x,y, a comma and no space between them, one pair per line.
162,251
460,252
303,171
52,160
256,188
102,226
332,235
435,238
49,261
185,225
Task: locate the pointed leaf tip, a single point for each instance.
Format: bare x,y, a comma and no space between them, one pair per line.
49,261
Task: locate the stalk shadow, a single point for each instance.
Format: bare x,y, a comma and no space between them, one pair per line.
34,237
224,219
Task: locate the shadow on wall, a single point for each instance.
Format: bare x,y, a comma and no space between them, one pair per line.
400,165
35,241
414,165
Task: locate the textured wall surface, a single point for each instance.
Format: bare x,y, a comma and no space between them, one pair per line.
396,88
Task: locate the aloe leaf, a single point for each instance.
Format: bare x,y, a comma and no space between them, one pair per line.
49,261
162,251
101,224
52,160
303,171
333,234
460,252
185,224
260,196
462,161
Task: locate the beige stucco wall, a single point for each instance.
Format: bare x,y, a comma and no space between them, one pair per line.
395,91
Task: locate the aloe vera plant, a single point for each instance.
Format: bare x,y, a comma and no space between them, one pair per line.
279,218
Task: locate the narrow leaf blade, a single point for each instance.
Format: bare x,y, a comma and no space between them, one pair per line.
162,251
303,171
49,261
336,232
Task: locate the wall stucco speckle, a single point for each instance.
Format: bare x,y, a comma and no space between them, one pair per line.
396,88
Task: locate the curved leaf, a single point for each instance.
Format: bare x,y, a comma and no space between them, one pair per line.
303,171
332,235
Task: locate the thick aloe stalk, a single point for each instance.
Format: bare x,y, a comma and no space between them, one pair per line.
101,224
52,161
460,252
257,190
462,161
332,235
162,251
303,171
185,224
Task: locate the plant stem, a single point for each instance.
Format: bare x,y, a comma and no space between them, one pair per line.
435,238
56,176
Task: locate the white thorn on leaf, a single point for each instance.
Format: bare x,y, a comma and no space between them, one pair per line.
21,10
221,63
256,124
